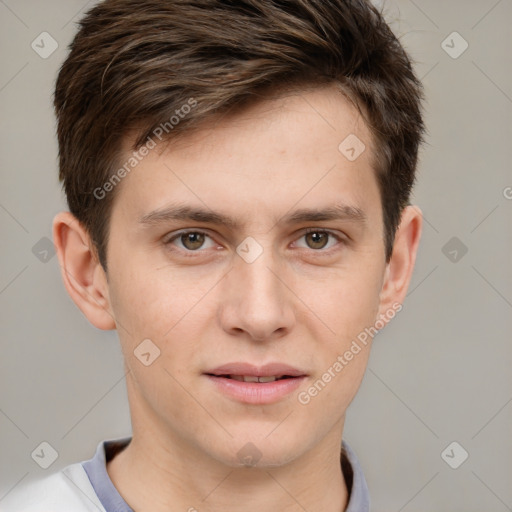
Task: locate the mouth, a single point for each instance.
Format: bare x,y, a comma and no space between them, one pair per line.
253,378
249,384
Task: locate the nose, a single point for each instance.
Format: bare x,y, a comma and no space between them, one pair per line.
256,299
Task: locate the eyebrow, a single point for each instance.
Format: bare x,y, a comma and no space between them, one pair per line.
195,214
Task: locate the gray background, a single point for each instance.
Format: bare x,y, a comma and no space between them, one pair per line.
440,372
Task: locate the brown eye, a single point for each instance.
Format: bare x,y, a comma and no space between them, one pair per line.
317,239
190,241
193,240
320,241
190,244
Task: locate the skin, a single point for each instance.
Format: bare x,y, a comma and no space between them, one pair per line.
302,302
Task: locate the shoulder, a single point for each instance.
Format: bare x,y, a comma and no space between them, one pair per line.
68,489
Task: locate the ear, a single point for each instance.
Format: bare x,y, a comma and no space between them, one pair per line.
83,275
401,265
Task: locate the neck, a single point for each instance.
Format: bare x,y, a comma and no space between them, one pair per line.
153,475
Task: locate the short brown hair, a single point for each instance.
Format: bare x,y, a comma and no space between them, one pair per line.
134,62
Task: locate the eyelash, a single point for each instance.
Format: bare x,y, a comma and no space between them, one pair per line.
192,254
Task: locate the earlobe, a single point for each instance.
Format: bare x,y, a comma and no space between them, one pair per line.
83,275
401,265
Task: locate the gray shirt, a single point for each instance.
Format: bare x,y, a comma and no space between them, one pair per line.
96,469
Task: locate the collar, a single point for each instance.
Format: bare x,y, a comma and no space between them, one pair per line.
112,501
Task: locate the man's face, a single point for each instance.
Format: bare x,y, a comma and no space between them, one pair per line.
262,290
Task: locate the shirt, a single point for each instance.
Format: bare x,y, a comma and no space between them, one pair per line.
86,486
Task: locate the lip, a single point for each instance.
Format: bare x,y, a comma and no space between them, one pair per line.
266,370
256,393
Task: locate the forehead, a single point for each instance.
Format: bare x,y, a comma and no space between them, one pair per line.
296,149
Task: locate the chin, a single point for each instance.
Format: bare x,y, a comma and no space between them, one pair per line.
258,449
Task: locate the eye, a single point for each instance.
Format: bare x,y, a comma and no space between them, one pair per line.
318,239
190,241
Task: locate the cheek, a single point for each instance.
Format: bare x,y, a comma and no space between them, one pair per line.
153,300
154,305
172,310
348,304
349,309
